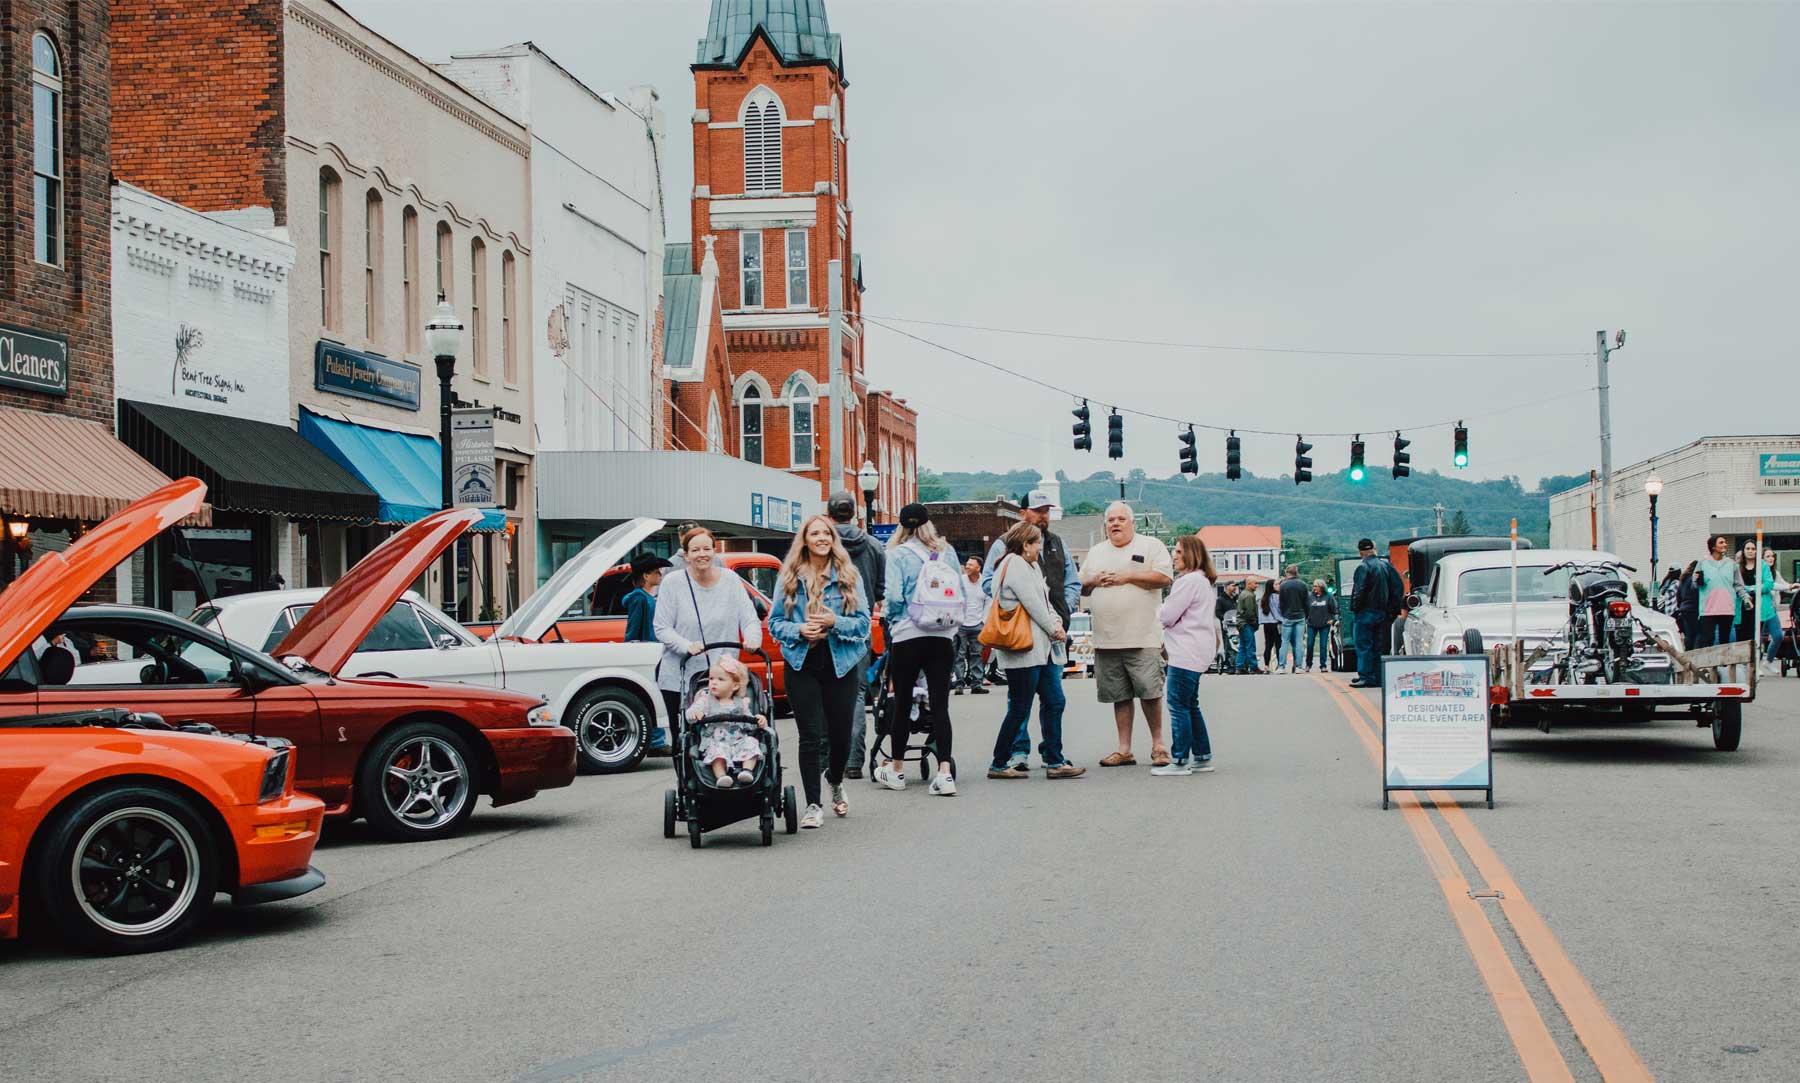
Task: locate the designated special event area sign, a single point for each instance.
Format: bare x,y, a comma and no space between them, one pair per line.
1434,725
472,457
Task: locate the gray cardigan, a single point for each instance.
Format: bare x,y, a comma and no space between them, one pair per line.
1023,585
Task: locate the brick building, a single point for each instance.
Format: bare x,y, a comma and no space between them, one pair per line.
62,467
771,190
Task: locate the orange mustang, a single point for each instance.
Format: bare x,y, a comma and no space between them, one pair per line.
116,829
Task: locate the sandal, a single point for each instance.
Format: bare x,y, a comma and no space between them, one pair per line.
1159,757
1119,759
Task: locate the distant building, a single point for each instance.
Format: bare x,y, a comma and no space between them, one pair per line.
972,525
1244,552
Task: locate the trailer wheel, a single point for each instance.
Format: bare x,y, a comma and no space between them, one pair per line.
1728,726
1472,645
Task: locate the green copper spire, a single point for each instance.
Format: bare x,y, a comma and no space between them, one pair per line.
797,28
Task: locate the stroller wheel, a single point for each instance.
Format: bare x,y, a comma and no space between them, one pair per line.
790,809
668,814
768,830
694,833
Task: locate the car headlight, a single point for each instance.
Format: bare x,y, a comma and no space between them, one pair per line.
275,775
541,715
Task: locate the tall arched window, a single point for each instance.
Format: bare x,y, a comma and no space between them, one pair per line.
715,429
372,265
750,424
46,151
446,262
477,314
762,141
414,316
330,216
509,319
800,420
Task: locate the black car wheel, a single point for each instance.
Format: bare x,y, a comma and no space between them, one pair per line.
127,869
1728,726
1472,643
417,783
611,730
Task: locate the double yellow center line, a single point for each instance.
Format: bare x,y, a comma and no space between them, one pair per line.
1593,1025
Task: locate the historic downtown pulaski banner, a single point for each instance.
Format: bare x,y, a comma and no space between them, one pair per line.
1434,731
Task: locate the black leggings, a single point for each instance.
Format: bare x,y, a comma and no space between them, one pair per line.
824,706
932,655
1271,641
1715,630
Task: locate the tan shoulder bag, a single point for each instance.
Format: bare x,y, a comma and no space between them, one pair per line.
1005,631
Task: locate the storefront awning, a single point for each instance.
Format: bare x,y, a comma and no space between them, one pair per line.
403,469
60,467
247,465
1773,520
748,500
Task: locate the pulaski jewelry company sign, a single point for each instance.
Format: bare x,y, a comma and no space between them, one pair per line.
33,360
344,371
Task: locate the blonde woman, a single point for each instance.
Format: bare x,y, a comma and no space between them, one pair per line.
818,617
922,626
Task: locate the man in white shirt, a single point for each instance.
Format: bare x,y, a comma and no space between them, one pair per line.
1123,579
968,672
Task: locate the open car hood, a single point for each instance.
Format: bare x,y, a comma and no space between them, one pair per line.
55,581
540,612
328,634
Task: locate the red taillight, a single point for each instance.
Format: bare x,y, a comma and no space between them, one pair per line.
1498,696
1452,648
1619,609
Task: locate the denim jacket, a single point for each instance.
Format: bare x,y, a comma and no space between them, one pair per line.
849,637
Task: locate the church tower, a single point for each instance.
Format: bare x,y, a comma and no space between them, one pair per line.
771,185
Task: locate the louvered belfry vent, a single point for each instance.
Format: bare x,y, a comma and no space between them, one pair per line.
762,144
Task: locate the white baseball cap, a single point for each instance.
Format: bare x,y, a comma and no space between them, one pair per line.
1038,498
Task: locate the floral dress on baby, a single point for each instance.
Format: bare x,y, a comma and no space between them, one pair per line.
734,742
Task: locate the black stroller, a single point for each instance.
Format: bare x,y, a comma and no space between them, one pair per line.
918,725
697,800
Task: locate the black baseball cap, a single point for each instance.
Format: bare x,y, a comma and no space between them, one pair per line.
841,506
914,516
1365,544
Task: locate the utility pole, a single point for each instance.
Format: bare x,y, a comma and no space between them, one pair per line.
834,344
1438,511
1602,357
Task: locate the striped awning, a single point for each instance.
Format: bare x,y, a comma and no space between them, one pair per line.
53,466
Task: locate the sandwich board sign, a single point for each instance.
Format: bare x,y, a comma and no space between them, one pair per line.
1434,725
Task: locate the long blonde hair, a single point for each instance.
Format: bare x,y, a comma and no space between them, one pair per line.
798,564
926,534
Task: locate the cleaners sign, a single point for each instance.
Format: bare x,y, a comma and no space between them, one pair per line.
1434,725
34,361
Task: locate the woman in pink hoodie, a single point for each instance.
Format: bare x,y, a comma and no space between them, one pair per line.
1191,636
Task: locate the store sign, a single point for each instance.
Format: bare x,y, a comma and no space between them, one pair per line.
366,376
1779,470
1434,724
472,476
756,509
775,513
34,361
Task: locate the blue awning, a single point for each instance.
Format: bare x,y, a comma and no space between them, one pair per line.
403,469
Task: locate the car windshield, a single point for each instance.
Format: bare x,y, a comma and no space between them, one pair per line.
1493,586
1080,622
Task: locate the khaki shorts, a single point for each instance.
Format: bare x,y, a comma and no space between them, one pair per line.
1128,673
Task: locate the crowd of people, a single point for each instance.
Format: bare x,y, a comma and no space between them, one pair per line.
1727,597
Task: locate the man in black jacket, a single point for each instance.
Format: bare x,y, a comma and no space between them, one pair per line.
871,573
1369,603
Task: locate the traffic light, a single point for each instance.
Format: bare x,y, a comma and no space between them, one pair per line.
1302,464
1084,440
1461,458
1190,461
1234,457
1401,458
1115,436
1357,470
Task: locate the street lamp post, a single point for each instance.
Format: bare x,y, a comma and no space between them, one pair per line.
443,334
1653,487
870,479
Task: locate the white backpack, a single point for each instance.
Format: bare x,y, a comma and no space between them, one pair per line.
936,604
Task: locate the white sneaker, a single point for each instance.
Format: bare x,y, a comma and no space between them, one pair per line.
886,775
942,785
1173,768
1770,669
815,817
1203,765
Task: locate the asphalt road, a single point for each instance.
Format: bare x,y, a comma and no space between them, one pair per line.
1264,922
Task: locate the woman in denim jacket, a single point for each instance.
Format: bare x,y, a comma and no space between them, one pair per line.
818,617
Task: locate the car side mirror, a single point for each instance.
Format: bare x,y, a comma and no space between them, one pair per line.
1414,600
253,680
446,641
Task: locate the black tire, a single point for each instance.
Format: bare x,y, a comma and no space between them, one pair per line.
148,905
378,790
668,814
768,830
1728,726
612,730
694,833
790,810
1397,640
1472,644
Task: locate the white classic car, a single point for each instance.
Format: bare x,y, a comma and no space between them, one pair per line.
605,692
1472,593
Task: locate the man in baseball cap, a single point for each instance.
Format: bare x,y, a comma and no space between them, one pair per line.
1065,595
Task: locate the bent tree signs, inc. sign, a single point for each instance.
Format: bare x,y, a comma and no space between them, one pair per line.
366,376
34,361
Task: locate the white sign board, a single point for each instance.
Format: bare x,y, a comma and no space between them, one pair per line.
472,457
1434,725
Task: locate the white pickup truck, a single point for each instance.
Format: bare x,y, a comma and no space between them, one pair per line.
1468,606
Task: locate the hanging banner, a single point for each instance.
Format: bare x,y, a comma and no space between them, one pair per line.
472,478
1434,725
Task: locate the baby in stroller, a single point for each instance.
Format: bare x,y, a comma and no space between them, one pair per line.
728,746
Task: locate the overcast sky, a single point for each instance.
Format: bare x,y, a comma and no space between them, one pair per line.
1396,178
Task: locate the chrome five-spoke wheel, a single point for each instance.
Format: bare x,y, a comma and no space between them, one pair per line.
425,782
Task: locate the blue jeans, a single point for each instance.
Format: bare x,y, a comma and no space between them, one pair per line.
1186,724
1246,656
1772,629
1368,656
1321,636
1044,683
1292,635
